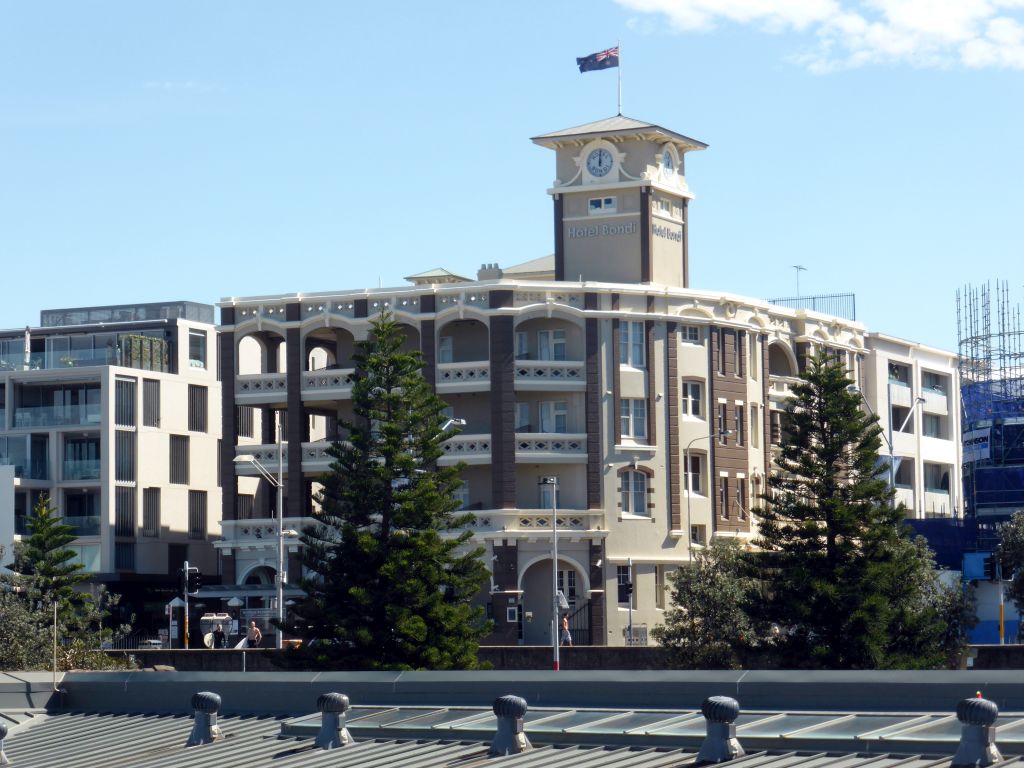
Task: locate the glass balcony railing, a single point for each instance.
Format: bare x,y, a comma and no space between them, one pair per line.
34,471
81,469
84,525
15,361
56,415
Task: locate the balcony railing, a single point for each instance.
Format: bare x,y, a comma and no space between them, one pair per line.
472,449
462,376
329,383
551,447
84,525
261,387
56,415
537,520
81,469
37,470
781,387
541,374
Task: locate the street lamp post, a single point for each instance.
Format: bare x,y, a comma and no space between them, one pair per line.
278,482
854,389
689,489
553,483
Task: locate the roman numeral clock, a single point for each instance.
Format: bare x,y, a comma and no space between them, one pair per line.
621,202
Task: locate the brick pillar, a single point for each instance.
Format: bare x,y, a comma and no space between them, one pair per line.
226,367
598,623
505,596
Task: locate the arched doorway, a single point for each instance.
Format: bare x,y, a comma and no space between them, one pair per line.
538,601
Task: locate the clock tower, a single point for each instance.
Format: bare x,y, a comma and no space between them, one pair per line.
621,202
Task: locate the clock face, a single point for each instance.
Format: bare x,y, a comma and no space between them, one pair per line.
666,163
599,162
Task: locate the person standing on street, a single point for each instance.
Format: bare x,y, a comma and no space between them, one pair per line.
254,637
565,638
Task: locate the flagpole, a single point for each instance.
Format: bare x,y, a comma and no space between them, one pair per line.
619,71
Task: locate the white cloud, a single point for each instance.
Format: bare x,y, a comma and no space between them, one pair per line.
851,33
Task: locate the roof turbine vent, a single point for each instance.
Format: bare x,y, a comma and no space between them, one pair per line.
509,739
206,705
333,733
977,734
720,744
3,735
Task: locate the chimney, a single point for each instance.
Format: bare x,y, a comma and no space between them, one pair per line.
333,733
489,272
720,744
3,735
509,738
205,729
977,747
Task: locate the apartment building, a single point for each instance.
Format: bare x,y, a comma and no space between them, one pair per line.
656,406
114,413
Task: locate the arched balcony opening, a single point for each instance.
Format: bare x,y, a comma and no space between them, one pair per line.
462,341
781,360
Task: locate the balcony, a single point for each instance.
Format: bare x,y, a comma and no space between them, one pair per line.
937,503
780,388
83,525
259,534
27,471
315,458
537,522
905,495
900,394
56,415
551,448
474,376
81,469
547,375
256,388
328,384
935,401
470,449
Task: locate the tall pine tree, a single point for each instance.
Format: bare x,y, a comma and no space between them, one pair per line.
392,571
840,576
46,557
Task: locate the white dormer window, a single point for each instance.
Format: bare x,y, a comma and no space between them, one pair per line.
599,205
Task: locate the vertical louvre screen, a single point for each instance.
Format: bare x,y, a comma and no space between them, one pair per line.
244,420
196,408
245,503
179,459
151,512
150,403
124,511
197,514
124,555
124,456
124,402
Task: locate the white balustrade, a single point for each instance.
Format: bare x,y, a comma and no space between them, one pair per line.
551,446
473,449
328,381
537,520
261,387
457,375
550,372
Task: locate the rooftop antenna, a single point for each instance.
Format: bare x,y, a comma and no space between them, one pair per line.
799,268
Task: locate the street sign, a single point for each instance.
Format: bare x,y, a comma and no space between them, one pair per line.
258,613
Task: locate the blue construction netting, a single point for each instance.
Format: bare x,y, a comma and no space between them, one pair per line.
997,399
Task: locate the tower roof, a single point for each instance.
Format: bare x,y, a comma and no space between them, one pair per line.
617,126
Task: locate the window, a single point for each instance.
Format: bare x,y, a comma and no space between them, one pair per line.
723,437
197,514
659,586
631,344
462,494
739,424
522,345
150,403
551,345
933,382
754,426
737,352
244,420
692,399
567,586
124,511
553,416
694,474
197,408
150,511
124,402
197,349
633,418
522,417
741,498
753,356
936,478
932,426
624,585
545,495
444,349
690,334
179,459
698,534
602,205
634,493
723,497
124,456
721,352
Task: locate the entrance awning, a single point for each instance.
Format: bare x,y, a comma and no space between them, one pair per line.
226,591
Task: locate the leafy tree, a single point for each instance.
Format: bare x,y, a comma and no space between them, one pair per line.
837,570
392,572
1010,552
708,626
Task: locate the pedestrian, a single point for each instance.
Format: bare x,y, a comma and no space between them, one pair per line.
566,638
254,637
220,640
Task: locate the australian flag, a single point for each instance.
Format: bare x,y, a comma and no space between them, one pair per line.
601,60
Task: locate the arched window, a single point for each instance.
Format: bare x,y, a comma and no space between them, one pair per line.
634,493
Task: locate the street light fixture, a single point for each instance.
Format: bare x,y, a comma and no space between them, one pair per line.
854,389
689,488
278,482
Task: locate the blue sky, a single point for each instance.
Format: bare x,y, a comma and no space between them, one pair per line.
195,150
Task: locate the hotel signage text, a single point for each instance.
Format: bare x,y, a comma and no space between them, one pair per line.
602,230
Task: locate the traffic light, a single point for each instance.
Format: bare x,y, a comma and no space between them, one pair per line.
194,580
990,567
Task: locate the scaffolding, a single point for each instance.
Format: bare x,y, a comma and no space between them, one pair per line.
991,367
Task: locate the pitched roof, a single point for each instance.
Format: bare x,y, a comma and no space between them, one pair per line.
545,265
619,125
436,275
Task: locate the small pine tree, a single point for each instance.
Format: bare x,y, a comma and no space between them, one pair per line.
837,569
1010,554
45,556
392,574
